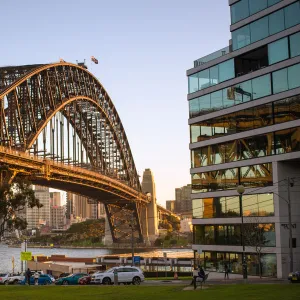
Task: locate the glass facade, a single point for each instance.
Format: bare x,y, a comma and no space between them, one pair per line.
274,143
277,112
275,52
295,44
231,234
211,76
261,205
215,262
229,179
283,80
245,8
280,20
278,51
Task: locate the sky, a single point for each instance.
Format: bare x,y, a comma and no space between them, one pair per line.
144,49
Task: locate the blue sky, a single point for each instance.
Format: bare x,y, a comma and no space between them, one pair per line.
144,49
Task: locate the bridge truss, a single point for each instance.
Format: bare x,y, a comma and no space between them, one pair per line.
61,115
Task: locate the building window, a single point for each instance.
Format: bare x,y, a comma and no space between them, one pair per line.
292,15
226,70
245,8
193,83
258,205
256,117
257,5
278,51
204,80
239,11
294,76
241,37
259,29
280,81
276,22
295,44
266,26
228,179
194,107
217,100
261,86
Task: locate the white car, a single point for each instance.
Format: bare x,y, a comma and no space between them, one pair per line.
15,278
4,277
126,275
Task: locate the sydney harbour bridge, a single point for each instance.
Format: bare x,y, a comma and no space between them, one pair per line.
60,128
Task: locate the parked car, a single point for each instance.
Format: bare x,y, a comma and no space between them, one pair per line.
84,280
15,278
44,279
64,275
126,275
294,277
4,277
71,279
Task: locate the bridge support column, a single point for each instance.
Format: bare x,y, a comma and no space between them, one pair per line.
144,224
108,240
122,216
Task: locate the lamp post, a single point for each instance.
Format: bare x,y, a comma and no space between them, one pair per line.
241,189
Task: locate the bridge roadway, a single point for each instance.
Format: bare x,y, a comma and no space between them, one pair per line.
67,177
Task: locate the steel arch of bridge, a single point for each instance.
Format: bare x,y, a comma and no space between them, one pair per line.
30,96
34,94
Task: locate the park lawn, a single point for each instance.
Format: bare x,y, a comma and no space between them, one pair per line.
224,292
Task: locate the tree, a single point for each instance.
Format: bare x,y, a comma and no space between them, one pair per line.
14,197
255,236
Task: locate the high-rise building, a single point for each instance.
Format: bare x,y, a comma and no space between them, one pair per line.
82,208
70,209
58,217
170,205
244,106
183,202
37,217
55,199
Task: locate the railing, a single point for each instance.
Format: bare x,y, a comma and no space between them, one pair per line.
211,56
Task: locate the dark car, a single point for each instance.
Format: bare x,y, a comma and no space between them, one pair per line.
44,279
71,279
84,280
63,275
294,277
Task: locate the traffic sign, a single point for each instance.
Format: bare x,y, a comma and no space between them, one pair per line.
26,256
136,259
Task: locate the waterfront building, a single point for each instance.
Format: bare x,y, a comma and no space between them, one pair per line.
38,217
58,217
170,205
183,202
244,117
55,199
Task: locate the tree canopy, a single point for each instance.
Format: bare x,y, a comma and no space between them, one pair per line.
14,197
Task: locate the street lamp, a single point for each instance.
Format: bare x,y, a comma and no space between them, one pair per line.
241,189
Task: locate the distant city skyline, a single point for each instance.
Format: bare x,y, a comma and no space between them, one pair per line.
143,49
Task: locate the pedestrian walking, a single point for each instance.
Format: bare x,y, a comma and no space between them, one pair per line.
36,278
226,269
28,275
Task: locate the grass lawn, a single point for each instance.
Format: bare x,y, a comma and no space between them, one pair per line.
243,292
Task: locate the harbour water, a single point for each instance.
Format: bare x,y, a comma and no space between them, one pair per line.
7,254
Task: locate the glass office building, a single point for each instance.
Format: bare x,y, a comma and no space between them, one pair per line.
244,118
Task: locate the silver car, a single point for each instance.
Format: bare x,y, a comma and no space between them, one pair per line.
126,275
4,277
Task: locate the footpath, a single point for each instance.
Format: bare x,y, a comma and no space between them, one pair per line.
215,278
